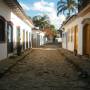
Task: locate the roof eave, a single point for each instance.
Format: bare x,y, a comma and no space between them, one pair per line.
18,10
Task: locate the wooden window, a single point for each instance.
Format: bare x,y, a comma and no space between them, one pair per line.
69,38
2,29
72,34
18,35
10,37
27,39
23,39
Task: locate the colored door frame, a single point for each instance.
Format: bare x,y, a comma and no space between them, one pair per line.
86,38
76,39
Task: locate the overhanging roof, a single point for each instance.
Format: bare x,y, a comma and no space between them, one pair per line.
84,11
18,10
68,20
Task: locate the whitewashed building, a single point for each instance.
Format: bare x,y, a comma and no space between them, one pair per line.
76,32
15,28
38,38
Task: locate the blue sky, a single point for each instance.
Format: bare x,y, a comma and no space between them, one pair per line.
31,2
42,7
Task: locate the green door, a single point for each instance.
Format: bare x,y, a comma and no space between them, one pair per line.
18,36
23,40
10,38
26,39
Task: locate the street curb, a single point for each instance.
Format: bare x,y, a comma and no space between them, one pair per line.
8,68
81,72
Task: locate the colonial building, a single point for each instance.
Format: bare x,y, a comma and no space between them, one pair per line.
38,38
15,28
76,31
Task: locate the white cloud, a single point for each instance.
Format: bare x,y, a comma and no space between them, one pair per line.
42,6
50,10
47,8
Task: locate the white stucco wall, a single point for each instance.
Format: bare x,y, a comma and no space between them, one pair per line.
80,37
3,51
64,42
23,26
6,12
77,21
39,38
42,39
69,44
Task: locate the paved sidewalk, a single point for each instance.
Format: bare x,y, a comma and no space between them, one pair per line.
81,63
45,68
10,62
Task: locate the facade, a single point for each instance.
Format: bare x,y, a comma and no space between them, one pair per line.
59,36
15,28
76,32
38,38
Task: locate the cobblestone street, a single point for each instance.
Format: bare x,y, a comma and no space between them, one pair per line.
44,68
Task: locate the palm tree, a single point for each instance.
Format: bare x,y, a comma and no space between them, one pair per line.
67,7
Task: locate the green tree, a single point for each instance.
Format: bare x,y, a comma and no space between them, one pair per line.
52,27
41,21
67,7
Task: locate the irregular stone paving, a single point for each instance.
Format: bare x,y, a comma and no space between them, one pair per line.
43,69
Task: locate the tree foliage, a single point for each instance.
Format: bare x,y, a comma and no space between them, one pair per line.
67,7
52,27
41,21
44,24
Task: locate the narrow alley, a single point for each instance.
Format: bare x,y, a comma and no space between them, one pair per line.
44,44
44,68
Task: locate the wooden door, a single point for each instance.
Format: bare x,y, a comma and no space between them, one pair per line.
10,38
23,39
76,38
29,40
87,39
26,39
18,36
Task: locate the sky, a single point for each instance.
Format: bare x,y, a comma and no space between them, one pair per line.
43,7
